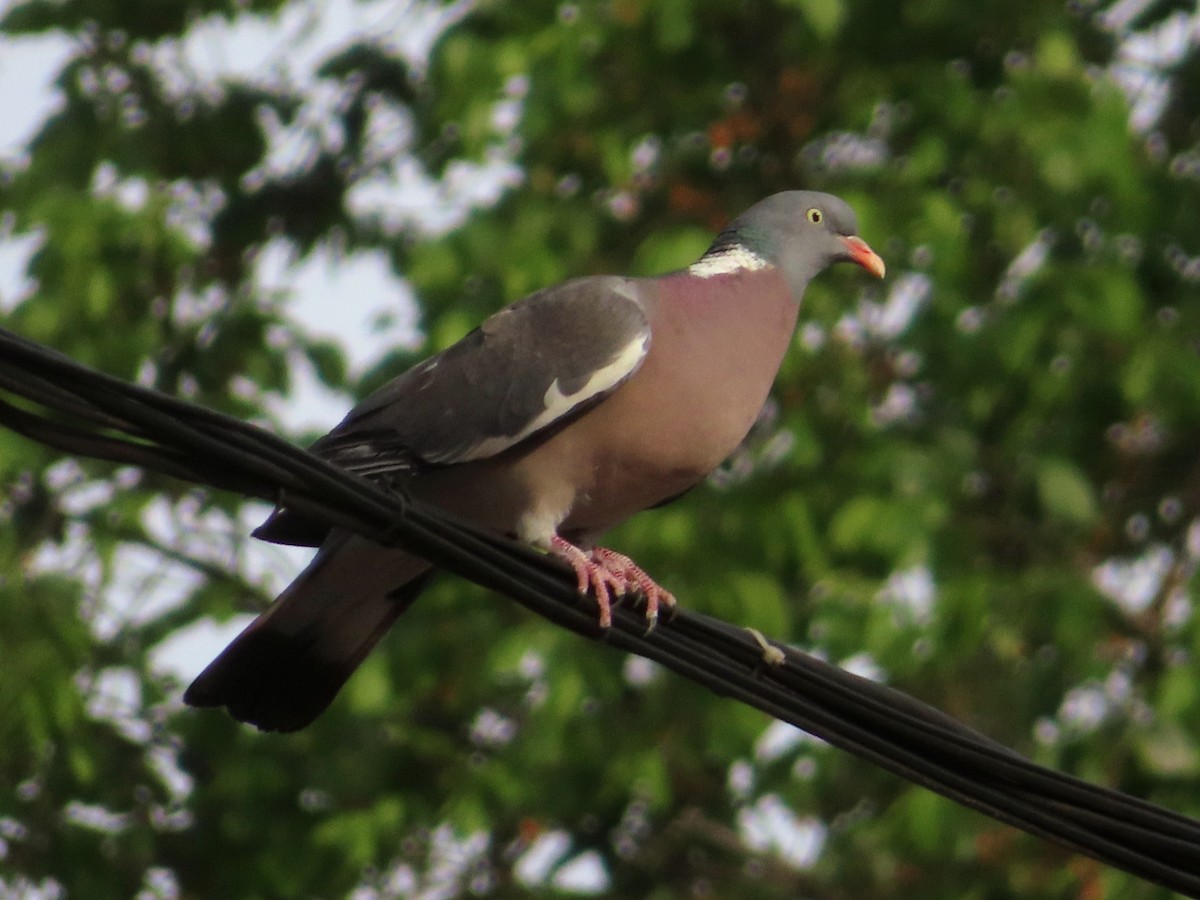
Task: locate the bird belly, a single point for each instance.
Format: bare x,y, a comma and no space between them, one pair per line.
575,482
638,448
629,469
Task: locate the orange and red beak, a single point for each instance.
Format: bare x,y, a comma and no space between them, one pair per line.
862,254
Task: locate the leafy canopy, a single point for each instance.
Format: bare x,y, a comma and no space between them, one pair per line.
978,480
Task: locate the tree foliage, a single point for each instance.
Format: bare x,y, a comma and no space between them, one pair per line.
978,480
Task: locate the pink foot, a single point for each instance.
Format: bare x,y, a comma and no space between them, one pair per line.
590,577
608,576
635,576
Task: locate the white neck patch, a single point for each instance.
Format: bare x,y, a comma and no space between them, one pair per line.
727,261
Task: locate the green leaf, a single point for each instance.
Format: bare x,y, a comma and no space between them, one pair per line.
1065,493
825,16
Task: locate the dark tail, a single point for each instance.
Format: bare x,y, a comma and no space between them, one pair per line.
288,665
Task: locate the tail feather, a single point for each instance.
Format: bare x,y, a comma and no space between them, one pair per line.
286,527
288,665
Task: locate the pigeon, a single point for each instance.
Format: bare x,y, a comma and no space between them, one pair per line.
558,418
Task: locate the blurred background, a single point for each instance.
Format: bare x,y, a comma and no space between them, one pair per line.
977,481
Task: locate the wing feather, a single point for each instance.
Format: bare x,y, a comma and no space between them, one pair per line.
527,368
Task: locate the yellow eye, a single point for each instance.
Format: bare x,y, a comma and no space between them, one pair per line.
815,216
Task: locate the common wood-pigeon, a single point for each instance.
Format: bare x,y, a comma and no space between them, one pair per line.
556,419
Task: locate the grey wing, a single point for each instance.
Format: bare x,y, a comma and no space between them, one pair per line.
526,368
531,366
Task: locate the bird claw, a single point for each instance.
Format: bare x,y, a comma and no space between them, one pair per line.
635,577
608,576
590,578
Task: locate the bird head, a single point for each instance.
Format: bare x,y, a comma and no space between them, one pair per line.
802,233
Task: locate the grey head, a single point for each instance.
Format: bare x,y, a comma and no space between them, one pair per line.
802,233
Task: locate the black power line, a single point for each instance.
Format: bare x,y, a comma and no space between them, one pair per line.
87,413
